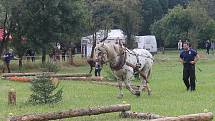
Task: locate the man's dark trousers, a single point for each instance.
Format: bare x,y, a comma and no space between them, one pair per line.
189,73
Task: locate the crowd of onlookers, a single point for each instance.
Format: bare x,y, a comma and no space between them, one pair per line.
209,45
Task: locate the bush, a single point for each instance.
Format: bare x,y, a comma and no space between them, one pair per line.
44,91
50,67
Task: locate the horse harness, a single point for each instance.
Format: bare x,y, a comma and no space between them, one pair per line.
122,61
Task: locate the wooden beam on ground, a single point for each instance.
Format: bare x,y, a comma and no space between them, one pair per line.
192,117
72,75
143,116
24,74
72,113
50,74
82,78
113,84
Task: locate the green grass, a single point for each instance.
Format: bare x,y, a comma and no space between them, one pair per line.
169,96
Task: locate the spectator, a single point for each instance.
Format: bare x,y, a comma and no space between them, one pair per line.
98,67
208,46
212,45
64,54
180,46
7,57
33,53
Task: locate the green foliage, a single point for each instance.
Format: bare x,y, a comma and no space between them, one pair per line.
181,23
50,67
44,91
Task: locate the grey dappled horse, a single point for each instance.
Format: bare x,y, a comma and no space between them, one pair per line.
123,62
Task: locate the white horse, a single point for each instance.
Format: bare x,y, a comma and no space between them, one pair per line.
123,63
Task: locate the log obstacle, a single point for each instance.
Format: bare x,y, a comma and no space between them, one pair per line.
192,117
72,113
82,78
142,116
24,74
113,84
50,74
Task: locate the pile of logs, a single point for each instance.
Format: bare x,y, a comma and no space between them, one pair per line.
123,108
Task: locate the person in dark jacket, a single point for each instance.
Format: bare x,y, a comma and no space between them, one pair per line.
7,57
188,58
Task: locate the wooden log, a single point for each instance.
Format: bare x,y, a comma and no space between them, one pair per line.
82,78
51,74
114,84
143,116
24,74
72,113
192,117
12,97
72,75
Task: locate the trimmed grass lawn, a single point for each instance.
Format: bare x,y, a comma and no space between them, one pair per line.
169,96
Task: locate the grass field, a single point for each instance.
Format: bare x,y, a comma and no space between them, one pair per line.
169,96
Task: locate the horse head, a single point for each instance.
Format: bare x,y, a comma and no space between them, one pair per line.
101,52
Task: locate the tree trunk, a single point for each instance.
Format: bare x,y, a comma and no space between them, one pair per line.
142,116
192,117
72,113
12,97
3,43
43,55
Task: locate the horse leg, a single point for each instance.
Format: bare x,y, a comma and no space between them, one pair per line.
120,95
144,85
91,68
128,86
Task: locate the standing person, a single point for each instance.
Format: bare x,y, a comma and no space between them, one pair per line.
212,45
188,58
98,67
208,46
33,53
63,54
180,48
7,57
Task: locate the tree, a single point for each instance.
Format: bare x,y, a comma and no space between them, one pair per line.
5,22
130,19
47,21
44,91
181,23
152,10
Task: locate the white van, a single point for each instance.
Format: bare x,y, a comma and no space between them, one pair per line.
147,42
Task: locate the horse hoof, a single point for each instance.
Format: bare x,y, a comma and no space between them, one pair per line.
149,93
120,96
137,93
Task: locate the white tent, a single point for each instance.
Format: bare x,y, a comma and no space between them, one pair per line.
113,37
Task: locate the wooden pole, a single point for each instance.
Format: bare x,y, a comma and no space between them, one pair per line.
143,116
113,84
72,113
192,117
82,78
24,74
12,97
50,74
